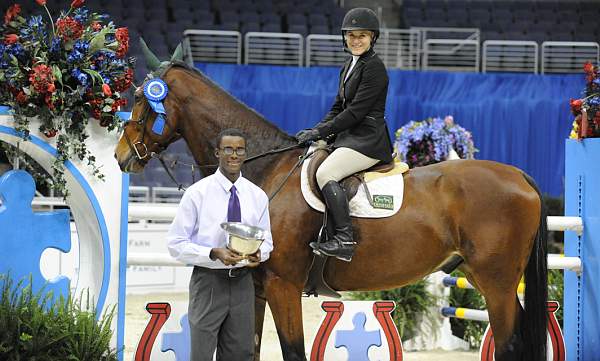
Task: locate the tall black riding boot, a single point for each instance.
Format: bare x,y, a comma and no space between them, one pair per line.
342,244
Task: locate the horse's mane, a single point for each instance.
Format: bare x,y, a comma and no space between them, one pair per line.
265,132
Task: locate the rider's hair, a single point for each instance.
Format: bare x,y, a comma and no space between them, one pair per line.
233,132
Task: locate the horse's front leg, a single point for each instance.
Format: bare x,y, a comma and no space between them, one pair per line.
284,300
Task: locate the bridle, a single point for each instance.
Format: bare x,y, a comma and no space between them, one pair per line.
145,156
139,148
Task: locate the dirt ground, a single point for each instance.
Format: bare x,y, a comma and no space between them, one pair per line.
137,318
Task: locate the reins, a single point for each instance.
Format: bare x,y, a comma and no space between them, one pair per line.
180,186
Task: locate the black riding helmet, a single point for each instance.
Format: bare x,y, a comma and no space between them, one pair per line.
360,19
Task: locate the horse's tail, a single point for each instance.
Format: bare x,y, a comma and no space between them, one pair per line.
535,318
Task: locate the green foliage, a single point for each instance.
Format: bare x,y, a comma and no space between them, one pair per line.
34,328
556,291
412,303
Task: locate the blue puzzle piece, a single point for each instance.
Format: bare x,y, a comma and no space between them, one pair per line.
358,341
178,342
24,235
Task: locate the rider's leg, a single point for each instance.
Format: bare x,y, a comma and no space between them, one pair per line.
340,164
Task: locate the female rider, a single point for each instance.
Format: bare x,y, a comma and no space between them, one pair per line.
355,124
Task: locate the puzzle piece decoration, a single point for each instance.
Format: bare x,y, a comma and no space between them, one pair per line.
358,341
178,342
25,234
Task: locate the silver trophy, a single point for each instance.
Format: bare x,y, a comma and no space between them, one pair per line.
243,239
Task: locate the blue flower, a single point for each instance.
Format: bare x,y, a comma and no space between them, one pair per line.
81,46
3,64
16,49
55,45
422,143
595,101
596,81
81,77
35,22
104,77
2,49
81,15
74,56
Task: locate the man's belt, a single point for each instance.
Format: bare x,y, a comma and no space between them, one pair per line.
226,272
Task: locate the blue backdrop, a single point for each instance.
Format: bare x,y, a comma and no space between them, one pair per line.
519,119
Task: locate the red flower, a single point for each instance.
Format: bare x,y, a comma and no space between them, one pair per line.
50,133
123,83
68,28
22,98
96,113
41,78
12,11
10,38
96,26
41,2
118,103
51,88
77,3
122,36
588,68
106,90
576,106
48,100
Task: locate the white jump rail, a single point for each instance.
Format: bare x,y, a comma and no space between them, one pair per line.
166,212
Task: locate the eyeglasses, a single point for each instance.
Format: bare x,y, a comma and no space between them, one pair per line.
230,150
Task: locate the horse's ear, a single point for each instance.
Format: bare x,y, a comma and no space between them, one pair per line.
178,53
151,60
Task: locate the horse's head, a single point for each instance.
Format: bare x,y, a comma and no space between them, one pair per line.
147,132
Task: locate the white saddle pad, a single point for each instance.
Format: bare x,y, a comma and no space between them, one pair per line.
392,185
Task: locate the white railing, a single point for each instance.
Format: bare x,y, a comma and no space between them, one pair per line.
213,46
139,194
273,48
415,48
400,48
568,57
324,50
508,55
166,195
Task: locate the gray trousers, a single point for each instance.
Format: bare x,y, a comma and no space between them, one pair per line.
221,316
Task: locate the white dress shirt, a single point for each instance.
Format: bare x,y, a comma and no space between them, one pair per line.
354,61
196,229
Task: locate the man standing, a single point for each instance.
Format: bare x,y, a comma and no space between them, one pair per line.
221,305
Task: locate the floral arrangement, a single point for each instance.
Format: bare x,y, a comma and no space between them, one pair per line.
587,109
431,141
64,73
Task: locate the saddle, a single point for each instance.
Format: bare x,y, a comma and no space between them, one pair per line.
350,183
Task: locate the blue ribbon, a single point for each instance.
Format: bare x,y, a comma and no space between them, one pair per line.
159,124
155,91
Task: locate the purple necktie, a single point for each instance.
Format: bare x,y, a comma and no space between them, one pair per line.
234,214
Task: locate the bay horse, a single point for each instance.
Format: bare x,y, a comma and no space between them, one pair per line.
489,214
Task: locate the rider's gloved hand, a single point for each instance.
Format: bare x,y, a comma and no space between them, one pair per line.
307,135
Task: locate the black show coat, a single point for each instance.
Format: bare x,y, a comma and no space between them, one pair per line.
356,119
